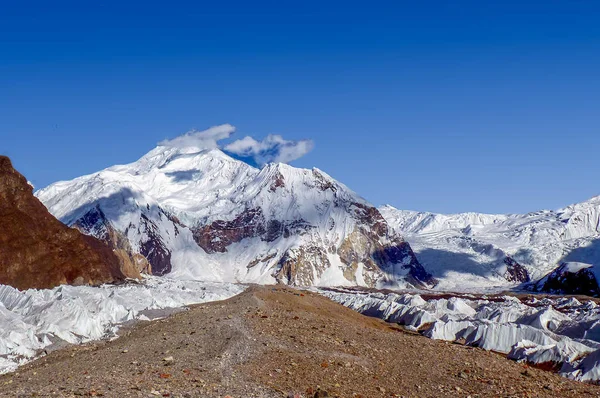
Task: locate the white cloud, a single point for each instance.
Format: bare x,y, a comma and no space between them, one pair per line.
273,148
205,139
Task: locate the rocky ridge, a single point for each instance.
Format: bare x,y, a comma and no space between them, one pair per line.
571,278
38,251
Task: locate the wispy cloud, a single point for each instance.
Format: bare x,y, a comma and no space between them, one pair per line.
273,148
205,139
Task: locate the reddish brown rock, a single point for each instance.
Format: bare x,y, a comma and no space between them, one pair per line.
217,236
515,272
37,250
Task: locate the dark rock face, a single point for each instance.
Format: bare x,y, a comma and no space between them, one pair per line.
218,235
154,249
37,250
561,281
515,272
323,183
279,182
400,253
153,258
371,217
94,223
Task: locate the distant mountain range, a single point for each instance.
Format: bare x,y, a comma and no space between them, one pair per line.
474,250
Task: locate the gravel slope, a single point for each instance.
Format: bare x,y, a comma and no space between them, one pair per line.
275,341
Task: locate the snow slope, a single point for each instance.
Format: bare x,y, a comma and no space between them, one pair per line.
561,333
32,320
200,214
469,249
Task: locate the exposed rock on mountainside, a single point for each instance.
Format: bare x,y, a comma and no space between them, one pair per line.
515,272
201,214
38,251
571,278
478,250
94,223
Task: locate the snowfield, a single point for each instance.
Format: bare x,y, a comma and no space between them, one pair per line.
33,320
467,251
562,334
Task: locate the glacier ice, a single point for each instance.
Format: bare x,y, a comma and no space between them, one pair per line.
558,332
31,320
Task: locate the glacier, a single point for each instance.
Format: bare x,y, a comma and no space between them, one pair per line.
31,321
557,333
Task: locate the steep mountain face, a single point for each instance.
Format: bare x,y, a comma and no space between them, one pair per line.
200,214
478,246
38,251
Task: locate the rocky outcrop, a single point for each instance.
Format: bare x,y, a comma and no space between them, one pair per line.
571,278
378,250
301,266
251,223
218,235
94,223
515,272
38,251
153,248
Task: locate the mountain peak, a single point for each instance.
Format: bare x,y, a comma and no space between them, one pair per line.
5,164
199,213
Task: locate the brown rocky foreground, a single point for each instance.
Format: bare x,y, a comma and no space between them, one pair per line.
279,342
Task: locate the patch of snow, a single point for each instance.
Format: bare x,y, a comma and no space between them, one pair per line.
574,267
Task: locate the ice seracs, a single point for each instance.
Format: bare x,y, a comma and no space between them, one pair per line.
200,214
32,320
554,333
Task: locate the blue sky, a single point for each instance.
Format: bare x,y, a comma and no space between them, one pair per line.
441,106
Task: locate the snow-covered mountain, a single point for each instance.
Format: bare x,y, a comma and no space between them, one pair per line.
472,249
201,214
